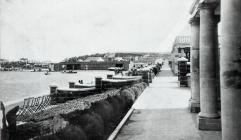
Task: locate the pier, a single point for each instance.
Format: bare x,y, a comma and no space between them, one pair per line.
161,112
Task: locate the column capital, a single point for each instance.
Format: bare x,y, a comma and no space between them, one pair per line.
194,21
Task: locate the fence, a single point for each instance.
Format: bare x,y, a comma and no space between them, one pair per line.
32,105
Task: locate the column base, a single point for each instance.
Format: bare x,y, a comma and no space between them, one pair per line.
209,124
194,107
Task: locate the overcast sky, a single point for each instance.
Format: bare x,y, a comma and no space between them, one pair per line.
56,29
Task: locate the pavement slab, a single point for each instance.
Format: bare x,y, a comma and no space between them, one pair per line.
161,113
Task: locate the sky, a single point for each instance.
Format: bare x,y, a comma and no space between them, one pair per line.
56,29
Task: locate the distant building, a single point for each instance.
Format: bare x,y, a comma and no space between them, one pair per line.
3,61
147,55
136,58
109,56
119,59
180,48
79,60
91,65
94,59
148,58
24,60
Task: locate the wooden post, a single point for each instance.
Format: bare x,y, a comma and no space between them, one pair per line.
145,77
53,92
98,83
109,76
53,89
71,84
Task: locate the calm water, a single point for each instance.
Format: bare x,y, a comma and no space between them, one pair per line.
15,86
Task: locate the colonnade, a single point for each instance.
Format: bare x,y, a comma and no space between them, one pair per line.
207,70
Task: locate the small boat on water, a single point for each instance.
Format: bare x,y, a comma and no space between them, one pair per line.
115,68
69,71
86,85
46,73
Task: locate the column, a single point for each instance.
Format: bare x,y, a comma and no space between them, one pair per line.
230,65
71,84
217,53
195,84
208,117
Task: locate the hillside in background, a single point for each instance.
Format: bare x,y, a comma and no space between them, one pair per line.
120,54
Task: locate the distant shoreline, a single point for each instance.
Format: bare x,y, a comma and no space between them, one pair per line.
45,71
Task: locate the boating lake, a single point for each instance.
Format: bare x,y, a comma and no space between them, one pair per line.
15,86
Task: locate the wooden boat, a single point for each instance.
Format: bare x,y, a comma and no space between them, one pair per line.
115,68
46,73
70,71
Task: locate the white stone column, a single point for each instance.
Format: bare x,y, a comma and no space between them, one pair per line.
230,65
208,117
195,81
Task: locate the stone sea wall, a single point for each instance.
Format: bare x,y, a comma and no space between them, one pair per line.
92,117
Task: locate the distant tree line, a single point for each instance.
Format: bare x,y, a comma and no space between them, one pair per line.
83,57
13,64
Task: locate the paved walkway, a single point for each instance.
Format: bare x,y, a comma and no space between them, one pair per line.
161,113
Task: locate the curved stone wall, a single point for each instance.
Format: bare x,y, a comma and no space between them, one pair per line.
89,118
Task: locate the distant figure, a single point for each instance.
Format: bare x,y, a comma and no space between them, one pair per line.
155,71
134,72
121,72
117,71
81,81
159,66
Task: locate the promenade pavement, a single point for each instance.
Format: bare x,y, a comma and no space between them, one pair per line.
161,113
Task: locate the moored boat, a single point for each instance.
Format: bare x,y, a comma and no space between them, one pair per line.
46,73
115,68
69,71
